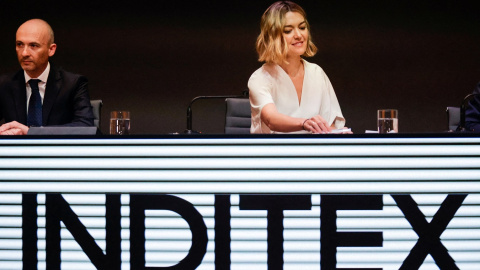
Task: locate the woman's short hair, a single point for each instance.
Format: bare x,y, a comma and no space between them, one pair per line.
271,45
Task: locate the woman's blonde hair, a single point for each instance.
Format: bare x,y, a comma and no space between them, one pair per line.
271,45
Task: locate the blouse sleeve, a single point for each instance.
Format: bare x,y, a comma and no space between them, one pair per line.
335,113
260,92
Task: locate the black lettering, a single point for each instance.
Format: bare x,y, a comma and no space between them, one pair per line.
330,239
222,232
275,205
429,233
113,228
138,205
29,231
57,209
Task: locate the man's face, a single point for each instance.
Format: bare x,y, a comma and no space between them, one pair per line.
34,47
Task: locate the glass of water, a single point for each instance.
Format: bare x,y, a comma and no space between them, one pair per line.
387,121
119,123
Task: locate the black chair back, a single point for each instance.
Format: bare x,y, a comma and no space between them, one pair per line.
97,111
453,118
237,116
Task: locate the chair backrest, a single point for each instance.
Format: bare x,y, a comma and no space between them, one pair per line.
237,116
97,111
453,118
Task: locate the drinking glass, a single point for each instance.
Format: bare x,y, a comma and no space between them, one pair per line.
119,123
387,121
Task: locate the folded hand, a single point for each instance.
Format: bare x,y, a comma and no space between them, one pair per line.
13,128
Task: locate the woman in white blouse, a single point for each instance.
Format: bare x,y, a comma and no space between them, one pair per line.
289,94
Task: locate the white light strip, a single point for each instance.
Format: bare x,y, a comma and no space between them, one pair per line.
236,176
240,163
242,151
171,140
253,187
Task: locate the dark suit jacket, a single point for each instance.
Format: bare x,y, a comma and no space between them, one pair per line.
472,112
66,101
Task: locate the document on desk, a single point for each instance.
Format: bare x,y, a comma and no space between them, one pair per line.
341,130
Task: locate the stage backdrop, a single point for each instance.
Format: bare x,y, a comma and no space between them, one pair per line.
232,203
153,57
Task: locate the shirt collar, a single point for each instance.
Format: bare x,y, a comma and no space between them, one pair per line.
43,77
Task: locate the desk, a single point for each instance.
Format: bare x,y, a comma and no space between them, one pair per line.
354,201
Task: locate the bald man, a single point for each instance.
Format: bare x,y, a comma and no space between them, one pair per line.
40,94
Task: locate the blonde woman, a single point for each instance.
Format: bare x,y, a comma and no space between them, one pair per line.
289,94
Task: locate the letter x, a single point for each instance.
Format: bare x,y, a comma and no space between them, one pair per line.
429,233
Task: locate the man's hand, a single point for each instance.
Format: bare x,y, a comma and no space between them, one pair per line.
13,128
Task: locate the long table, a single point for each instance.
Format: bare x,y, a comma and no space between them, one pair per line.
404,201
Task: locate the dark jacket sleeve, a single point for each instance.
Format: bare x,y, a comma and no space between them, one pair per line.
8,104
472,112
2,94
67,102
82,109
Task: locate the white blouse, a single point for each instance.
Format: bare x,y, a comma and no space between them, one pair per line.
271,84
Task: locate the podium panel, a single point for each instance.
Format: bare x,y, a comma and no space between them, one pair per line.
335,202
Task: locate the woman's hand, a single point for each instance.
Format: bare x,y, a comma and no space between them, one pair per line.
317,125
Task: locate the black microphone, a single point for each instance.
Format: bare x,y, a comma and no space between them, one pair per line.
189,108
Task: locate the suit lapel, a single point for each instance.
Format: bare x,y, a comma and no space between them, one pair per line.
19,93
51,92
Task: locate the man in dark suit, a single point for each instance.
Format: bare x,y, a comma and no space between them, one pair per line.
472,113
40,94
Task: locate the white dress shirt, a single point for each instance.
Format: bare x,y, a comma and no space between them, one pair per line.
41,85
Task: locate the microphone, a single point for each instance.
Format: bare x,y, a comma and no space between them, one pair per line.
189,108
463,108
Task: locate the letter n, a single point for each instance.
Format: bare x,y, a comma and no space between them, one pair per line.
57,209
138,205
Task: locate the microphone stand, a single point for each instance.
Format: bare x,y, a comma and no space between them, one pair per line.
463,108
189,108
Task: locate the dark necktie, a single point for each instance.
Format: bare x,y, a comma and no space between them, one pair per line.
34,117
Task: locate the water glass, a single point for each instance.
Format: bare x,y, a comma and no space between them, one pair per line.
387,121
119,123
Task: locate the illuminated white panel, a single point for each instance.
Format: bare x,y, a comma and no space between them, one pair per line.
245,176
187,140
196,169
241,163
316,149
232,187
8,265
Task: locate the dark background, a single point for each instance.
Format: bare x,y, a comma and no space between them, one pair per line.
153,57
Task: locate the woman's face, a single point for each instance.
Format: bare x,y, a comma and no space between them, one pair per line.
295,33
